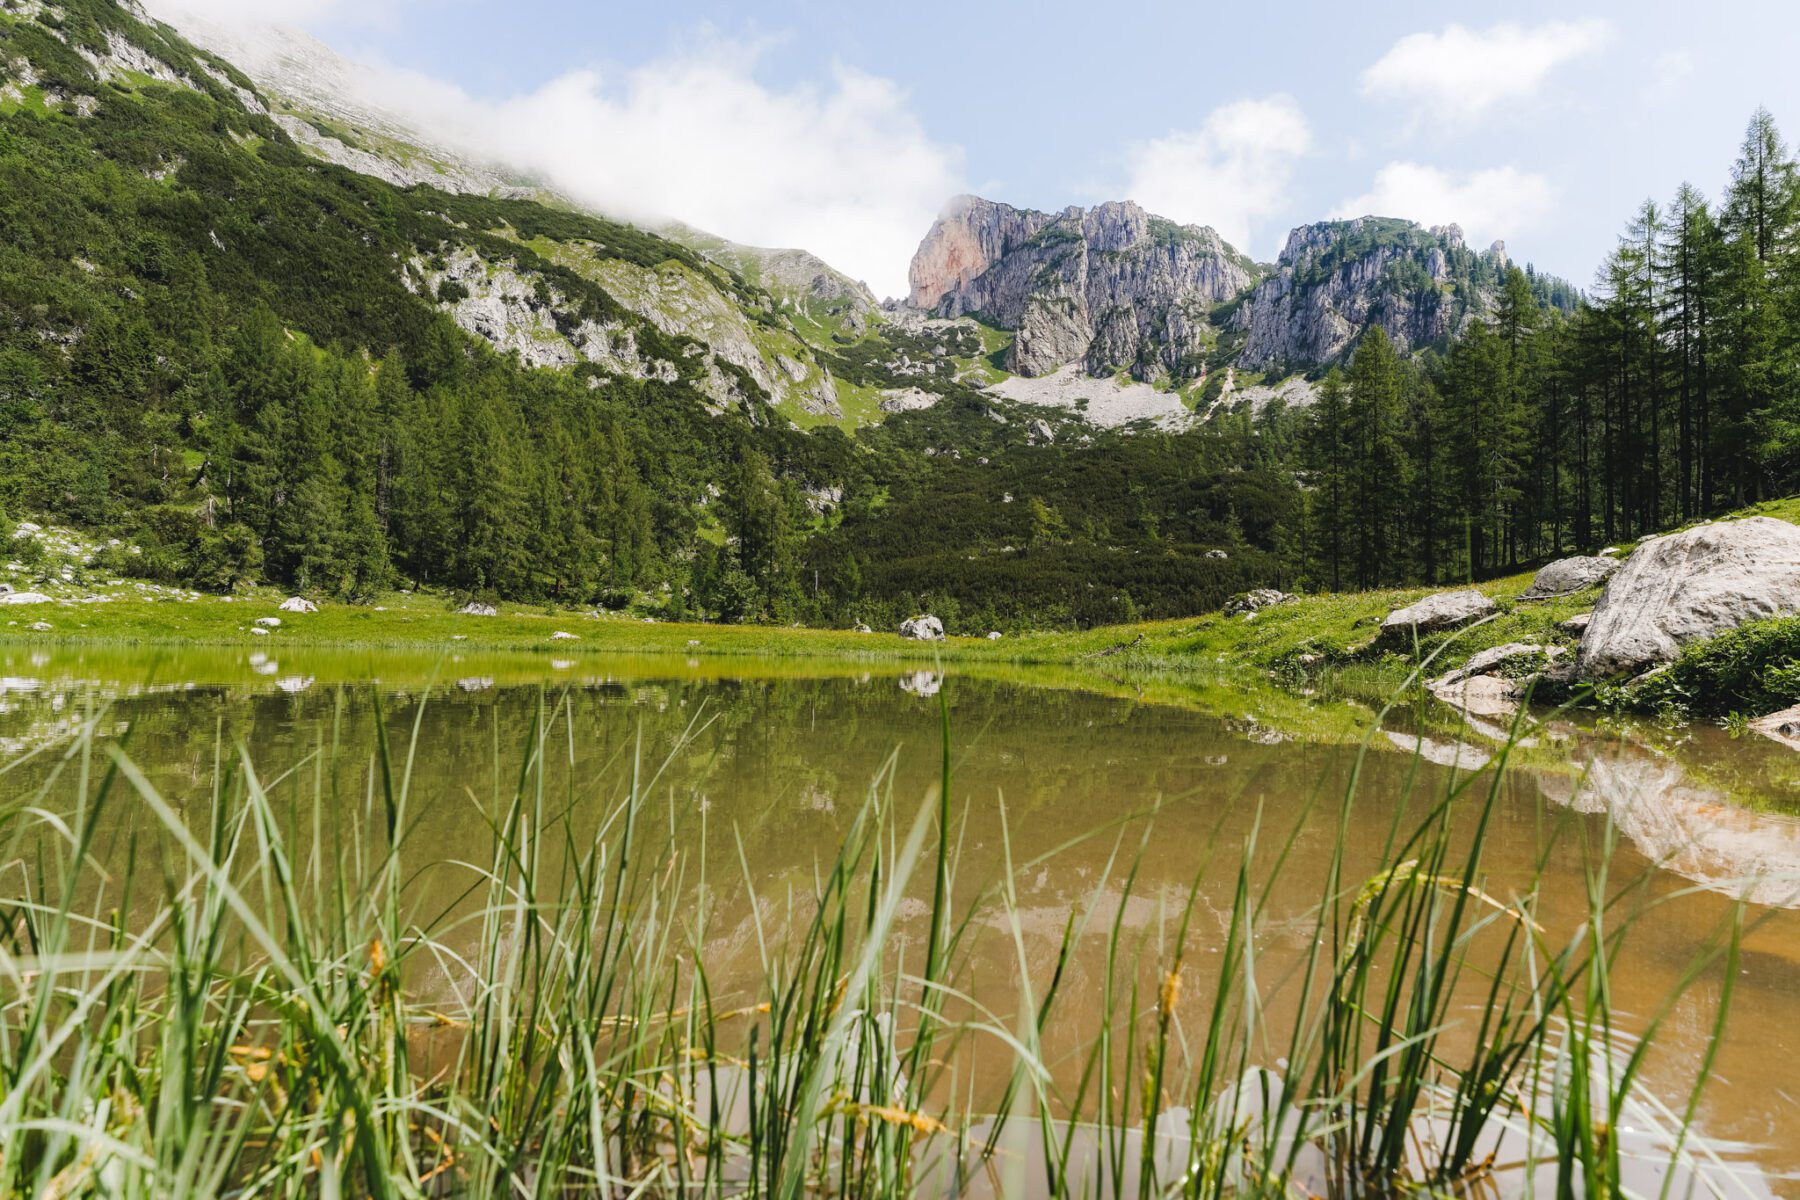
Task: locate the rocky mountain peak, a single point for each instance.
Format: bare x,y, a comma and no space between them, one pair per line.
969,236
1110,286
1336,279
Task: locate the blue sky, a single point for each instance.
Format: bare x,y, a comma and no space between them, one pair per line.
841,127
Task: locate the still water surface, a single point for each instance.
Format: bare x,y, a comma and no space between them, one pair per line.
777,760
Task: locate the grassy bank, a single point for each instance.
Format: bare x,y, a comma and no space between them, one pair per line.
1310,636
268,1009
1339,628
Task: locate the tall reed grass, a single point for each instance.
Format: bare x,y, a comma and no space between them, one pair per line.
248,1001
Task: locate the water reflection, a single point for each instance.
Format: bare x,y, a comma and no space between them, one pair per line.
778,767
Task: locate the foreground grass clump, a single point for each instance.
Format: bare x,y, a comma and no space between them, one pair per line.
253,996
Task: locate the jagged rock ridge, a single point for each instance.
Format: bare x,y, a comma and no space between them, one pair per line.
1112,286
1336,279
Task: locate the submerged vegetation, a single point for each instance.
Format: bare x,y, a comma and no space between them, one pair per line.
248,990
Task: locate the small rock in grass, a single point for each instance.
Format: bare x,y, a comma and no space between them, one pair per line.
1255,601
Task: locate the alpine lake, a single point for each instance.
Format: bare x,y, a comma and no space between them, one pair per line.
1131,801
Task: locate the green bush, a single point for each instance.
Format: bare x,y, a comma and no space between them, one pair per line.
1754,670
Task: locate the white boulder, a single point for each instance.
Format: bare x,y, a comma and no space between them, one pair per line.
1446,610
1690,586
1566,576
473,609
269,622
297,604
564,636
923,629
24,598
993,635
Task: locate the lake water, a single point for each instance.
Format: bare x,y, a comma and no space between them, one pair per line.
1059,772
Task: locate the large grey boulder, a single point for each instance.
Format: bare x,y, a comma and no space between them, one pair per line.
1446,610
923,629
24,598
1690,586
1566,576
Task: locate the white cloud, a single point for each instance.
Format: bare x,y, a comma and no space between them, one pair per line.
1231,173
840,167
1461,73
251,13
1495,203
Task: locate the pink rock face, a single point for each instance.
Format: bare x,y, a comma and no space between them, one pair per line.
953,252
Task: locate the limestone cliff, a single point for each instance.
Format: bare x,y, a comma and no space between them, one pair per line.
1336,279
1112,286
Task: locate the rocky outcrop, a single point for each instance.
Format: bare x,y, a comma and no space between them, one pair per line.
1566,576
1112,286
899,400
1446,610
1491,683
813,285
684,303
1688,586
1336,279
1254,600
923,629
969,237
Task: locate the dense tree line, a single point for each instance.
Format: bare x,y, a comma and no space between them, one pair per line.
1669,395
209,348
